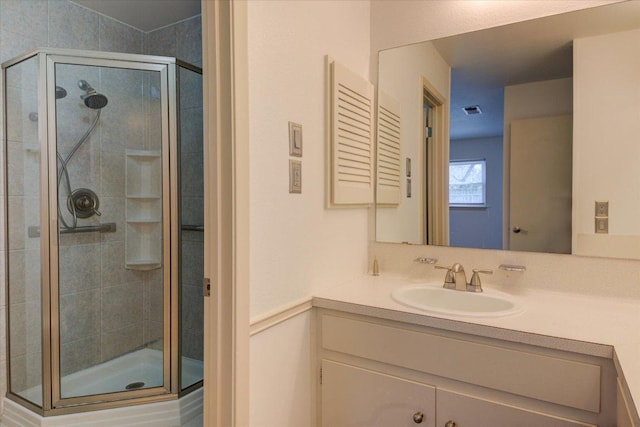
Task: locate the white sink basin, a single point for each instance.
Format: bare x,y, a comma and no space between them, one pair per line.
436,299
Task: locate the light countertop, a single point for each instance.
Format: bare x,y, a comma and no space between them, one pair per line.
597,326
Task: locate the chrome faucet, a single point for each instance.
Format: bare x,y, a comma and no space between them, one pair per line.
457,279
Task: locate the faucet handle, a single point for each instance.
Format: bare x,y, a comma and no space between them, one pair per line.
425,260
449,281
476,285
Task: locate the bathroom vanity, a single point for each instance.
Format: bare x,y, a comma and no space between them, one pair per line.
380,363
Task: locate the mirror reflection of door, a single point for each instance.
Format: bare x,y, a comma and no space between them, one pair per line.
436,153
540,184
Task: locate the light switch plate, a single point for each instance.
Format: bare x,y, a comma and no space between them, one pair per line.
295,176
295,139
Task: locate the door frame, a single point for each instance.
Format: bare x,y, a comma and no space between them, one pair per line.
226,189
436,158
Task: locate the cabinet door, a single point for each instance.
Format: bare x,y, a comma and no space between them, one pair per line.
623,413
354,396
468,411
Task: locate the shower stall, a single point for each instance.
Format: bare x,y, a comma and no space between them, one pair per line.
104,229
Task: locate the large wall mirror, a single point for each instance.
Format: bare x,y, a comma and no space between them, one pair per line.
507,138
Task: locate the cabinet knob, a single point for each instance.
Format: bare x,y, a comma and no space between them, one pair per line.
450,424
418,417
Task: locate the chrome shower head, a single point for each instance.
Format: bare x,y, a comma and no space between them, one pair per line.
92,98
95,100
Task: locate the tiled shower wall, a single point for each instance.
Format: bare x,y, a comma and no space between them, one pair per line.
92,272
192,204
184,41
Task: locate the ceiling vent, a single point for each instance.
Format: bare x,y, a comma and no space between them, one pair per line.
472,110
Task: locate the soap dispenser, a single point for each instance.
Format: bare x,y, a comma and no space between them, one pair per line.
376,267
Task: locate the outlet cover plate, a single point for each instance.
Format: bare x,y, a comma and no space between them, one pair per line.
602,209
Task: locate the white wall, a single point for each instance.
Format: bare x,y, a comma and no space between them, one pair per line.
607,120
401,72
296,244
280,375
537,99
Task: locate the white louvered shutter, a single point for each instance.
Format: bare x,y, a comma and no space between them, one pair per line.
389,172
351,137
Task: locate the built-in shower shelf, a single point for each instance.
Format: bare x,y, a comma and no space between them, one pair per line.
144,154
144,209
143,264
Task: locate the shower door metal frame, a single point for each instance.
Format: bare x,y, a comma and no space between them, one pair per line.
182,391
44,224
44,248
53,403
60,404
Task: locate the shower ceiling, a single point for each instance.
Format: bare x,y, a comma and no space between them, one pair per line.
145,15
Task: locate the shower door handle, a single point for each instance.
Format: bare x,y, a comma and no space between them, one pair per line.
206,287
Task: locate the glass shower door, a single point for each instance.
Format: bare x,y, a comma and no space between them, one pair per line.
192,225
111,132
23,193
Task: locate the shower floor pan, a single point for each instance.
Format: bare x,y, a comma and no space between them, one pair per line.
141,366
112,376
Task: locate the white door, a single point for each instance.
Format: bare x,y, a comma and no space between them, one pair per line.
540,184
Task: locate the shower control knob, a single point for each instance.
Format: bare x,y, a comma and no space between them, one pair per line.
83,203
418,417
450,423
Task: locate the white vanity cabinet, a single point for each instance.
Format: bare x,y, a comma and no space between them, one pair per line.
383,372
353,396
